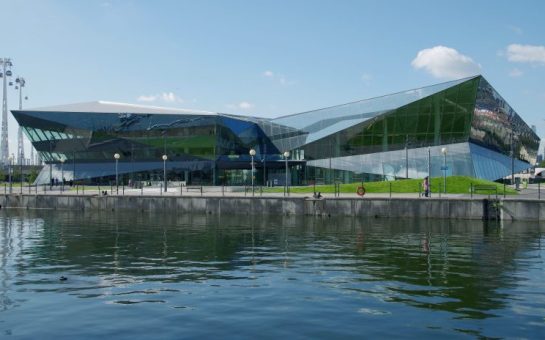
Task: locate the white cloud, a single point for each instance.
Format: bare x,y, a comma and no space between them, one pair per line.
167,97
144,98
526,54
170,97
282,79
243,105
445,63
515,72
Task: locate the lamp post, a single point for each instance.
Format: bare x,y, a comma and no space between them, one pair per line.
50,156
10,159
165,170
116,157
407,156
444,152
264,165
286,155
62,174
252,154
512,154
512,163
429,169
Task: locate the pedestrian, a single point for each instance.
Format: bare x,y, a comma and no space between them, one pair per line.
426,186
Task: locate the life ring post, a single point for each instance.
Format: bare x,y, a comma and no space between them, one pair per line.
361,191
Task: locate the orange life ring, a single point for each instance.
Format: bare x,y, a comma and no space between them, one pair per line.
361,191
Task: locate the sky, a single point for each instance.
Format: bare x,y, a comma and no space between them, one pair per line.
269,58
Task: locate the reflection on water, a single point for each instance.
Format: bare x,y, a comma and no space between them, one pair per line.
140,275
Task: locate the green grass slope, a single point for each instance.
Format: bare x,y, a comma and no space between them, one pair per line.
455,185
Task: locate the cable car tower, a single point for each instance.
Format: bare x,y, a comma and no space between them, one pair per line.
5,73
19,84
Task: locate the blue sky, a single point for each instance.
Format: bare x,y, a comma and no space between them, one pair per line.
270,58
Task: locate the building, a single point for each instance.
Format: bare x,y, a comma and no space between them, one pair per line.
461,127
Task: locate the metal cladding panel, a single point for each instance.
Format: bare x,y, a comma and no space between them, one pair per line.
493,165
393,164
80,171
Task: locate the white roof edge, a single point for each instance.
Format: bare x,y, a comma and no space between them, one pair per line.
103,106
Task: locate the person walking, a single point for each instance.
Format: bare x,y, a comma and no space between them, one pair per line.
426,186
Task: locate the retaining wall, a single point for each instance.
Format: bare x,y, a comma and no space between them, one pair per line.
448,208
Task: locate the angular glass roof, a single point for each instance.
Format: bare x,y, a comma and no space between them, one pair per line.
317,120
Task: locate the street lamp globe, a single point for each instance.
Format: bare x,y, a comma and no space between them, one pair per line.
165,157
252,152
444,151
116,155
286,154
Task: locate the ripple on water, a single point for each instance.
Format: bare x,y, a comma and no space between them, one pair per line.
207,276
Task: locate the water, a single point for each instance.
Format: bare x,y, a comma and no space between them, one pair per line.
147,276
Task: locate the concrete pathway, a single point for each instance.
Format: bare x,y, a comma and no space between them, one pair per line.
532,192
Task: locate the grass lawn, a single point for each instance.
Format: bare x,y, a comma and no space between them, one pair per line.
455,185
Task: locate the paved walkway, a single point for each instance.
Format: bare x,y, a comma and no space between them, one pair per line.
531,192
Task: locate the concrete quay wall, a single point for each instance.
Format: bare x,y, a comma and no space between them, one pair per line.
447,208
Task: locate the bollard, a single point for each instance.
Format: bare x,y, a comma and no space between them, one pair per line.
5,188
390,189
504,188
471,189
223,189
123,189
161,189
141,189
201,190
538,190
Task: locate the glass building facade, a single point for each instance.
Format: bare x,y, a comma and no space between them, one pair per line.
394,136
